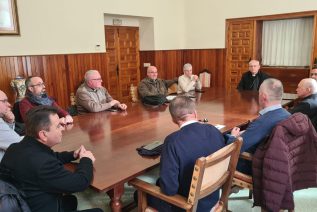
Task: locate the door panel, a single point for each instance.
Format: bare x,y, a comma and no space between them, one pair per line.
123,60
239,50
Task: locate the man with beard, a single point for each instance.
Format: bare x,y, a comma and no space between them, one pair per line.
35,95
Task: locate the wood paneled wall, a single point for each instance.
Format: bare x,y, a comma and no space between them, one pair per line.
62,74
290,77
170,63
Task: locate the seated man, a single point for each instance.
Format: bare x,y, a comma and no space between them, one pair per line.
188,81
252,79
91,96
313,73
180,151
152,90
35,95
7,133
270,97
39,172
307,91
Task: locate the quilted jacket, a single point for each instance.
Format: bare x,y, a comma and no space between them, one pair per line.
285,163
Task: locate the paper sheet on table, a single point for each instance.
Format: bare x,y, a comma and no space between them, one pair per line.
170,97
219,126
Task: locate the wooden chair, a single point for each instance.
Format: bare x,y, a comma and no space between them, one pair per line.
134,93
210,173
172,89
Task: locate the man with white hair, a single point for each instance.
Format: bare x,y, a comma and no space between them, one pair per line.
270,97
7,133
91,96
252,79
180,152
188,81
307,91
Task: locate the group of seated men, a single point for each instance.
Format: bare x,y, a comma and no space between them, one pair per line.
39,172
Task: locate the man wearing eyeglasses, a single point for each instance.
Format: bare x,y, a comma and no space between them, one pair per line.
91,96
36,95
7,133
252,79
313,73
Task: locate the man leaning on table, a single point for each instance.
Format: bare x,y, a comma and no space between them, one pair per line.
35,169
271,113
188,81
180,152
152,90
307,92
91,96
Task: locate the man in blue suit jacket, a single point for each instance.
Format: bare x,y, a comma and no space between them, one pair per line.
270,97
180,151
307,91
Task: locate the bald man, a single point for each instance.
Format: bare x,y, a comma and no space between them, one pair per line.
252,79
271,113
92,97
7,133
307,91
152,90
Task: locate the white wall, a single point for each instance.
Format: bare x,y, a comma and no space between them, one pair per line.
205,19
77,26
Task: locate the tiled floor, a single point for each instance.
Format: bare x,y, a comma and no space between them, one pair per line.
305,201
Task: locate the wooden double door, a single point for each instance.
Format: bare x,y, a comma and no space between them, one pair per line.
122,46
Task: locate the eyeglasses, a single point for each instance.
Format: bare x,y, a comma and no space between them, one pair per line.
41,84
313,74
97,79
4,100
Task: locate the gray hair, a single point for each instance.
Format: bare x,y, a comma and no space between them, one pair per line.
180,107
273,88
88,73
187,67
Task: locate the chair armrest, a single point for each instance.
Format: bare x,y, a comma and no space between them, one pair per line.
246,156
244,177
155,191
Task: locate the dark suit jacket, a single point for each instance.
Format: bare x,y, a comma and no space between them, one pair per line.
247,80
180,151
39,172
307,106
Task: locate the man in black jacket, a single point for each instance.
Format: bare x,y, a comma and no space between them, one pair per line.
39,172
307,91
252,79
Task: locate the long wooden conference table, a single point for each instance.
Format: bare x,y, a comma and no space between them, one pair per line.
114,136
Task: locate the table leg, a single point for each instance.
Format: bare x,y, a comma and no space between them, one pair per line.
115,196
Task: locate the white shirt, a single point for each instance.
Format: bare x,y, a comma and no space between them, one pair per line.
186,84
7,137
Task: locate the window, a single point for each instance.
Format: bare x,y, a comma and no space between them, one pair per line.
287,42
